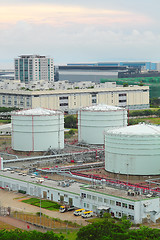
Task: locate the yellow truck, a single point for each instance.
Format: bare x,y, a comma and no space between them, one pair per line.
66,208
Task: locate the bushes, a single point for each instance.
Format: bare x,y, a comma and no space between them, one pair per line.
108,230
22,191
147,112
28,235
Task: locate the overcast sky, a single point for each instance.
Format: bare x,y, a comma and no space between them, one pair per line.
80,30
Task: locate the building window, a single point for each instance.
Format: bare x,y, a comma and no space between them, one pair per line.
63,104
21,100
131,217
87,206
131,207
112,214
84,205
112,202
124,205
122,95
9,100
99,199
63,98
106,200
123,100
3,99
88,196
28,102
83,195
15,100
94,100
94,198
118,204
94,207
119,214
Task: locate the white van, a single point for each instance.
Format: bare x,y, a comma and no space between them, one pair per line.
87,214
79,212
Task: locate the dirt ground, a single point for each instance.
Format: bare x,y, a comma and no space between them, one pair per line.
13,200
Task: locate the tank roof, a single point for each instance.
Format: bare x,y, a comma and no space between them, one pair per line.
102,107
37,111
139,129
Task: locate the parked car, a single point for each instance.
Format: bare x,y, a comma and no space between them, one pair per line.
87,214
79,212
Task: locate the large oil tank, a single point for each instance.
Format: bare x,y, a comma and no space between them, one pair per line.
133,150
37,130
93,120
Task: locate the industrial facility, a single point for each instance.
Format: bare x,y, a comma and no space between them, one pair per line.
93,171
92,121
37,130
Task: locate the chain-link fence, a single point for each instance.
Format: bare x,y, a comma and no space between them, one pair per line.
47,222
5,211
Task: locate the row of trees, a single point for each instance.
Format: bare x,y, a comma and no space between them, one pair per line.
29,235
108,229
146,112
103,229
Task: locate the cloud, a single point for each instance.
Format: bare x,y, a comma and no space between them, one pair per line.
72,33
58,15
78,44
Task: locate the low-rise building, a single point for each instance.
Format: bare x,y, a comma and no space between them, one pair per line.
118,202
132,97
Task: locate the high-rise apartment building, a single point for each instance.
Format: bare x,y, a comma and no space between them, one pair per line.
32,68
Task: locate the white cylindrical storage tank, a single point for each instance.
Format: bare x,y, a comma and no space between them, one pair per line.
133,150
92,121
37,130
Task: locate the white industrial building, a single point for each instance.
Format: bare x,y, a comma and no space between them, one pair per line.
37,130
133,150
118,202
5,129
92,121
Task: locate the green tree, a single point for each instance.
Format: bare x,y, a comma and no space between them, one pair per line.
71,132
70,121
28,235
125,84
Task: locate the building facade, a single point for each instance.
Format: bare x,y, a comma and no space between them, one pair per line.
93,73
32,68
137,208
133,97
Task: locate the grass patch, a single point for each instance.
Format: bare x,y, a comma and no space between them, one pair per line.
5,121
47,204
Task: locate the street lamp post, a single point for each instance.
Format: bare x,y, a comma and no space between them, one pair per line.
40,209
